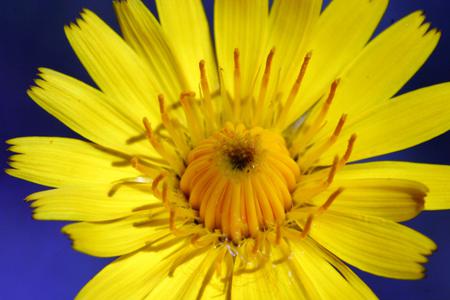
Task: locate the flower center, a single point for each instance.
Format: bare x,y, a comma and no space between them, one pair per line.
240,180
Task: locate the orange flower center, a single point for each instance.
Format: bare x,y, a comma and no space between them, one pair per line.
240,180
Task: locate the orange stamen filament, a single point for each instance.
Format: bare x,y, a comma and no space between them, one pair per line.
192,118
128,181
294,91
303,138
175,134
313,154
169,155
237,86
156,182
208,110
260,106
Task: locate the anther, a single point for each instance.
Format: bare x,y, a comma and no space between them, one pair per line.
295,88
348,152
259,114
333,170
313,154
155,183
237,84
136,164
278,234
331,199
162,108
307,227
338,129
258,242
209,111
325,107
195,127
172,220
164,196
134,180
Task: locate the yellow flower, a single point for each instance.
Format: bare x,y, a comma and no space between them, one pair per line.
226,175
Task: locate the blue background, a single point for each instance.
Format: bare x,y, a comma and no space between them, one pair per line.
36,261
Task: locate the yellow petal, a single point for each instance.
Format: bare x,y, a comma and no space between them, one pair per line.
129,277
119,72
179,271
435,177
372,244
299,19
382,68
192,279
240,24
329,276
114,238
187,30
57,162
342,31
88,112
394,199
406,121
272,281
144,34
90,204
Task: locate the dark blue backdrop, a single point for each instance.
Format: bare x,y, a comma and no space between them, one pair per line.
36,259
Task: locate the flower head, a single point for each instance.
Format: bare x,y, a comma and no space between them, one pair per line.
230,174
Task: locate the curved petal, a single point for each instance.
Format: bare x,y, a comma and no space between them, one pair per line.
341,33
128,277
91,203
88,112
242,25
382,68
394,199
57,162
403,122
330,277
170,273
144,34
192,276
272,281
435,177
119,72
187,30
372,244
114,238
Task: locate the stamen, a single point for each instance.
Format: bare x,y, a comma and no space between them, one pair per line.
170,157
348,152
208,111
294,91
278,234
172,220
333,170
193,120
331,199
135,163
155,183
305,194
313,154
164,197
175,134
237,86
128,181
260,106
307,226
302,140
258,242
